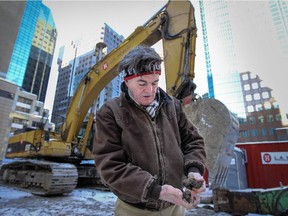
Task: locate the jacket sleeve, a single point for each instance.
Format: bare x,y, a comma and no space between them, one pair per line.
192,143
123,178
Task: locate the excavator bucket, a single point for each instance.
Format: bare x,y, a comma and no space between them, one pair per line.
219,128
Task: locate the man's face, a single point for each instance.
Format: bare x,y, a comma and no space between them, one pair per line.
143,88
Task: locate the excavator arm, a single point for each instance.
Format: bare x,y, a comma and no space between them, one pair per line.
175,25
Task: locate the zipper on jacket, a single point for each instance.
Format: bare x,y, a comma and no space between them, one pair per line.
157,142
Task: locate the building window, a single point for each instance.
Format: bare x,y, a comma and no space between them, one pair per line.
250,109
19,121
252,120
267,106
24,100
244,133
247,87
270,118
242,121
263,132
265,95
256,96
278,117
248,97
275,105
261,119
22,109
258,107
255,86
35,124
245,77
254,133
272,131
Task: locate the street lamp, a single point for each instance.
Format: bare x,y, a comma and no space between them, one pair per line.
99,50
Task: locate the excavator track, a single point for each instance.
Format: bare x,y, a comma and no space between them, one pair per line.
40,177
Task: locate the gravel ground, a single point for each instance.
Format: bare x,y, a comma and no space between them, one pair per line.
81,201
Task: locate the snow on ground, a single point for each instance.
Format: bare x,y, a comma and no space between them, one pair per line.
80,202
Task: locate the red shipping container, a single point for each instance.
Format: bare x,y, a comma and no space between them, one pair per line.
266,163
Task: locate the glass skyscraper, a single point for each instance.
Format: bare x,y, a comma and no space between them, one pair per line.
241,36
279,13
34,47
221,61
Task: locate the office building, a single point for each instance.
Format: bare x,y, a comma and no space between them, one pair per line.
75,60
27,43
242,36
279,13
30,44
11,13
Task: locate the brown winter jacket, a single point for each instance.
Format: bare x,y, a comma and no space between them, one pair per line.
135,155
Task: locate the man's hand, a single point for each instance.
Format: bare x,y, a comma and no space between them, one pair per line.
199,178
193,185
175,195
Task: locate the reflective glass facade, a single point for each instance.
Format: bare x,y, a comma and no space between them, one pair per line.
279,13
32,56
207,53
20,55
229,91
221,62
243,36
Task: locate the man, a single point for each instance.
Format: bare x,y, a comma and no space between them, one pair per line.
144,145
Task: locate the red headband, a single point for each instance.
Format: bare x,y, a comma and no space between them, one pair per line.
141,74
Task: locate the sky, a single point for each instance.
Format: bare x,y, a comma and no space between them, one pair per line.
75,19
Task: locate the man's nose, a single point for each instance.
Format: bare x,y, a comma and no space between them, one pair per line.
149,88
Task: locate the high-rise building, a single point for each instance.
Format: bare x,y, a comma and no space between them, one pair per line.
220,56
10,19
75,60
279,13
33,45
242,36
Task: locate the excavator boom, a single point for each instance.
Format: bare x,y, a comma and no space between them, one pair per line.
175,25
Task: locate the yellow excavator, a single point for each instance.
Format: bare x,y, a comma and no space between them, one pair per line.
48,163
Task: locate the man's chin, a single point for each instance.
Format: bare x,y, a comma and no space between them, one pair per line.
146,103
